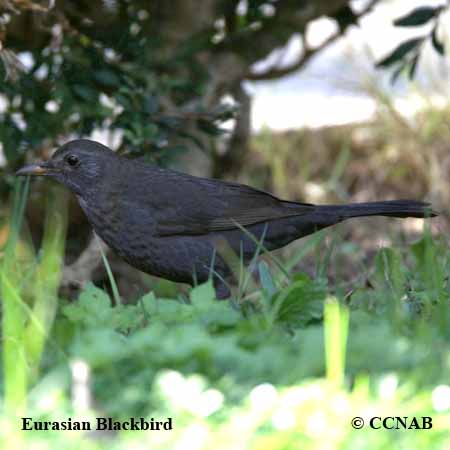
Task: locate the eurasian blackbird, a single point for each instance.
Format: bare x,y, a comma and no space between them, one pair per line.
171,224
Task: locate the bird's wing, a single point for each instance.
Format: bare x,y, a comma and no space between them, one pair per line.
193,206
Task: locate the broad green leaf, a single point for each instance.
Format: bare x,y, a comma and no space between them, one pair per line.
107,77
437,44
84,92
93,307
400,51
418,16
301,301
204,293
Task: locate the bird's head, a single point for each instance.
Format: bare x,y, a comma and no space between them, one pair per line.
79,165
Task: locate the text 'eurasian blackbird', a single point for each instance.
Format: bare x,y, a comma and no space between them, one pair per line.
173,225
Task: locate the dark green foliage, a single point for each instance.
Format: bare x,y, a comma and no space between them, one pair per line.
437,44
114,78
301,302
405,48
405,57
140,68
418,16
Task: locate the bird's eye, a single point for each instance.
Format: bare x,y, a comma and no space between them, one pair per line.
72,160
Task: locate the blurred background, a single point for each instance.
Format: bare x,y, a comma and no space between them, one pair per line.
319,101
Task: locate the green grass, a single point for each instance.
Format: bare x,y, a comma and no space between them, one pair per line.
29,286
286,367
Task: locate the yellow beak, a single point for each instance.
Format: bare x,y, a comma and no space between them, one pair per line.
33,170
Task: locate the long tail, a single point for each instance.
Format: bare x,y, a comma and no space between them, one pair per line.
390,208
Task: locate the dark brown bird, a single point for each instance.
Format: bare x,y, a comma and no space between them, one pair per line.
171,224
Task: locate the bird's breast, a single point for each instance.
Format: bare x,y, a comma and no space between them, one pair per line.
124,226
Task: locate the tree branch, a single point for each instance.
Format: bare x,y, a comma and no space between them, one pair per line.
274,72
278,72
